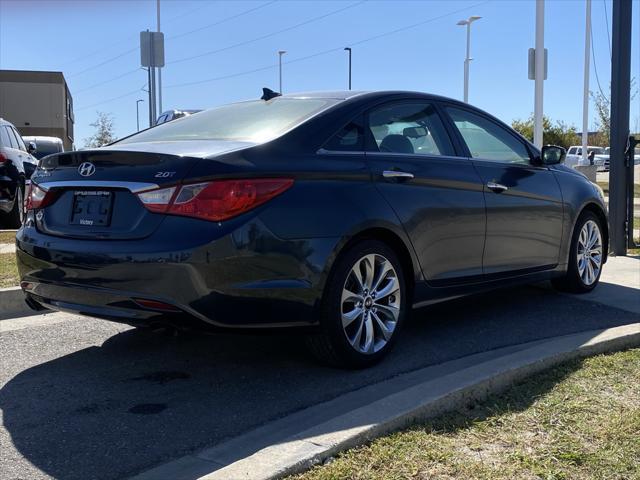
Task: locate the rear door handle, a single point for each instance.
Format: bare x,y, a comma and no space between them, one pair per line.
396,174
496,187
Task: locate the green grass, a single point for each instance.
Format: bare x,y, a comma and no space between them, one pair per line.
8,270
605,187
580,420
7,237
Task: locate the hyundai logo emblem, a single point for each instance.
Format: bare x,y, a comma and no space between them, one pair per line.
86,169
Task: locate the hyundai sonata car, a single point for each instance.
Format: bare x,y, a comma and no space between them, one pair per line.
334,213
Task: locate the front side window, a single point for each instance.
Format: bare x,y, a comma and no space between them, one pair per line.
487,140
13,142
409,128
254,121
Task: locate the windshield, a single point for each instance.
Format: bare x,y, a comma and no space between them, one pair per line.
46,148
255,121
596,150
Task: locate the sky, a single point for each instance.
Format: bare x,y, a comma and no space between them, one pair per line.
223,51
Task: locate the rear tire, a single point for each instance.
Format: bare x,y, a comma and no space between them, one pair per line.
363,307
585,257
13,219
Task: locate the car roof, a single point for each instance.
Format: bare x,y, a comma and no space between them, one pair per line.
6,122
348,94
39,138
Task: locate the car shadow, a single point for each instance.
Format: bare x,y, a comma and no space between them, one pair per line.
140,399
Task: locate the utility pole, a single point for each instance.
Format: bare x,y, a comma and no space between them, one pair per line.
280,54
159,68
585,92
348,49
468,58
620,176
538,113
138,114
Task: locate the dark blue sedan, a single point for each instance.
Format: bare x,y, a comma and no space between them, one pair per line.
334,213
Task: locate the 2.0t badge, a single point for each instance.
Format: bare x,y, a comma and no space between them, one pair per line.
86,169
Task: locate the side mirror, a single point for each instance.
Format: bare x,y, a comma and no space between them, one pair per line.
553,154
31,148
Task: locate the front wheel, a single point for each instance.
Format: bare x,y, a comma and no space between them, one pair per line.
363,307
585,257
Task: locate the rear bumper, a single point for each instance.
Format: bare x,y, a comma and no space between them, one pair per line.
233,276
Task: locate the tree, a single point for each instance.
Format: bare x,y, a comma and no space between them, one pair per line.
104,131
603,109
558,133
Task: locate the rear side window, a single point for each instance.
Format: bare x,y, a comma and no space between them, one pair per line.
409,128
4,137
487,140
19,141
13,143
348,139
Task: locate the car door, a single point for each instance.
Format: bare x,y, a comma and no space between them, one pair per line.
524,202
29,163
436,194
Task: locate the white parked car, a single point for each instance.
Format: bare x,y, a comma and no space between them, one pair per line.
574,157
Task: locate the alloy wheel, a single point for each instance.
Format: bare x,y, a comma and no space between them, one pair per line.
589,253
370,305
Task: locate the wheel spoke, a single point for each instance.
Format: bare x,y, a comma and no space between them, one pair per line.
370,303
368,329
391,287
389,310
349,317
386,332
384,268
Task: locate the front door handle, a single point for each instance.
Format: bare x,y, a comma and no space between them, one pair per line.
396,174
496,187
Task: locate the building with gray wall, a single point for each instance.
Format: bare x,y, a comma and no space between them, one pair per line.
37,103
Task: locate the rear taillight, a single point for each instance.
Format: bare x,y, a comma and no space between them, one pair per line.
2,159
217,200
38,198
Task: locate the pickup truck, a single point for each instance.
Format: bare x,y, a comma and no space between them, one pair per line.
574,157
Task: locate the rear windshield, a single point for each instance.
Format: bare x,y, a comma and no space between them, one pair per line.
46,148
254,121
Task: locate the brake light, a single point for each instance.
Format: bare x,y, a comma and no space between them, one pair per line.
38,197
217,200
2,159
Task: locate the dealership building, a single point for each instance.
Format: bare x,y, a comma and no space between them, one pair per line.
38,104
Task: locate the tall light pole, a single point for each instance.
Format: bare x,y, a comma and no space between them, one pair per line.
585,92
538,114
280,54
159,68
138,114
348,49
467,60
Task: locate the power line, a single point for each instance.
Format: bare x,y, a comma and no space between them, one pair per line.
93,67
330,50
268,35
606,21
173,37
595,66
300,59
251,10
125,74
130,37
134,92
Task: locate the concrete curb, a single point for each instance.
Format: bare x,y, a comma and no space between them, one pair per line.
12,303
287,446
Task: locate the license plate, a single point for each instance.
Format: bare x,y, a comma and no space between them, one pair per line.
92,208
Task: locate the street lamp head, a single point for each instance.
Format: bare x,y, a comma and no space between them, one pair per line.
281,52
474,18
462,22
347,49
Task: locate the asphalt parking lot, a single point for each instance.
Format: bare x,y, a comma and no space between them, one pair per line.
84,399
